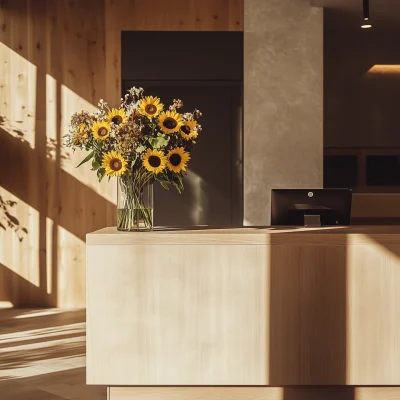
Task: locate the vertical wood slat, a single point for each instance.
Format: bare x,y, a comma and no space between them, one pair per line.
44,42
174,15
64,43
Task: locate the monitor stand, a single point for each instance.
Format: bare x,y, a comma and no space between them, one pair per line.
312,220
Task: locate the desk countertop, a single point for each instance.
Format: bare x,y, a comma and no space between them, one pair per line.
249,235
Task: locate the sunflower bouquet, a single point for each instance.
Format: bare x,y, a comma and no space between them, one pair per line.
141,142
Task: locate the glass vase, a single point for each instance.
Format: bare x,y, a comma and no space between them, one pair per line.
134,203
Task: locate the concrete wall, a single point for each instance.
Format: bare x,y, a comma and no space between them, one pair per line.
283,101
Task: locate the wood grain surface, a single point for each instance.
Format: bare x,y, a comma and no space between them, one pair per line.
244,307
57,58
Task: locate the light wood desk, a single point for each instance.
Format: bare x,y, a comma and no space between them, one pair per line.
249,307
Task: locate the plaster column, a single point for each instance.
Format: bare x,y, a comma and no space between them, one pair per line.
283,101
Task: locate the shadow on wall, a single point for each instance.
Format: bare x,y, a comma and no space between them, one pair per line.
52,48
65,206
19,292
69,210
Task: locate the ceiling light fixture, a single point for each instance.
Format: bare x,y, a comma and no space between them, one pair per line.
366,22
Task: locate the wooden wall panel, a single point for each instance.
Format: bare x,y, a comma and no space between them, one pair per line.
161,15
52,64
57,57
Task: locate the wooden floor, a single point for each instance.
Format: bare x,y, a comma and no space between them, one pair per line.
42,356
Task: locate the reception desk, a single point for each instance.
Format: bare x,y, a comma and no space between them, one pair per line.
260,308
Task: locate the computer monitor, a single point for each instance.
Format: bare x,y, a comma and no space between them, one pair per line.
311,207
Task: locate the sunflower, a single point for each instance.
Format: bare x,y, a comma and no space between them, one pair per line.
187,130
101,130
117,116
154,161
114,163
170,121
150,106
177,159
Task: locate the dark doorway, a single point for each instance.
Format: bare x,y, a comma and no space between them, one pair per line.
212,81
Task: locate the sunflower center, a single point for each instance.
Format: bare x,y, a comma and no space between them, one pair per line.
154,161
175,159
185,129
117,119
115,164
102,132
151,109
170,123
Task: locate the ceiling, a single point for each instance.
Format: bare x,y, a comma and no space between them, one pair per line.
380,10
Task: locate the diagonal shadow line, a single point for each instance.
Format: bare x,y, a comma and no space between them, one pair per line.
80,209
19,291
92,41
393,246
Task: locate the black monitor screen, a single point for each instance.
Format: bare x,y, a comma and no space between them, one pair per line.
290,207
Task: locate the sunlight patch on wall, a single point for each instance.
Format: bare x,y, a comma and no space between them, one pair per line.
384,69
49,254
71,103
51,117
21,256
17,95
71,274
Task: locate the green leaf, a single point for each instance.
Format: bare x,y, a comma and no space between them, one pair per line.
87,158
95,165
177,187
140,149
180,181
100,173
158,142
164,184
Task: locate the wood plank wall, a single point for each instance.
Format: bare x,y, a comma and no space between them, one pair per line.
57,57
161,15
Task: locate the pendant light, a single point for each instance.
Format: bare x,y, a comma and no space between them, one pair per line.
366,22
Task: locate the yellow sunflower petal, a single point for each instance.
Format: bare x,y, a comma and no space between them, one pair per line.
187,130
150,106
117,117
101,130
170,121
177,159
114,163
154,161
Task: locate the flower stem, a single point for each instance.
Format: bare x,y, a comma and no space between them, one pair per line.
135,203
